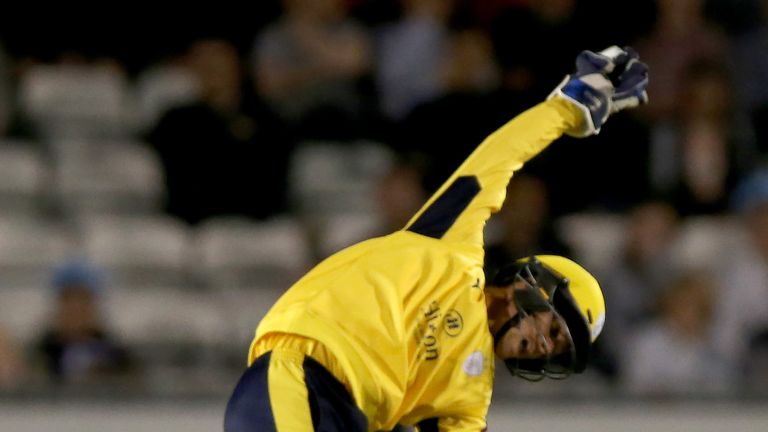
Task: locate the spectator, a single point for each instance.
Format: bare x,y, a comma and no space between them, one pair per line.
526,226
564,26
411,55
464,111
11,368
751,70
6,94
743,309
163,86
633,283
76,347
558,36
672,355
216,152
755,372
399,194
697,155
681,34
308,66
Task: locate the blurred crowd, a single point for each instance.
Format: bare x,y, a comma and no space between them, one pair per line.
157,191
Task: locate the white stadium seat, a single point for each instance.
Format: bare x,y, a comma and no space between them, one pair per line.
244,309
107,177
234,252
596,238
703,239
138,251
157,315
77,100
24,311
23,177
345,229
30,248
328,177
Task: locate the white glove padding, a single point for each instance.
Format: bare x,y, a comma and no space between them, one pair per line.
593,91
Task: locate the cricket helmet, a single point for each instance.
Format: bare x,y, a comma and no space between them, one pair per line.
560,285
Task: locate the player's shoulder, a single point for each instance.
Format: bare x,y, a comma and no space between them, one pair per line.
397,247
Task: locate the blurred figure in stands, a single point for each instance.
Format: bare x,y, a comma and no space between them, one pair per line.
751,72
399,194
526,226
463,112
555,28
697,155
673,354
633,283
411,54
76,347
225,154
11,367
681,35
749,69
565,27
754,372
309,65
6,94
742,313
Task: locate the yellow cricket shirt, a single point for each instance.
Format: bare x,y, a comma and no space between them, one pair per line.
404,315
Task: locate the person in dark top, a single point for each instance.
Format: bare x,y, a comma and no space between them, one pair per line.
526,227
76,346
225,154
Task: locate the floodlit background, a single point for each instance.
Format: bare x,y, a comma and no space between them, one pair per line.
164,180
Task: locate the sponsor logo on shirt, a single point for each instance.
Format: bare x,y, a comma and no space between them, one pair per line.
432,320
426,331
453,323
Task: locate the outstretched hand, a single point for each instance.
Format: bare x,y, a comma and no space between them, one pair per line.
604,83
630,87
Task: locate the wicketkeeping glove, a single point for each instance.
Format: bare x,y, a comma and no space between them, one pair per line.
630,88
604,83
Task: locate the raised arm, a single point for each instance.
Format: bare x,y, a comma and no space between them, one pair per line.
459,209
457,212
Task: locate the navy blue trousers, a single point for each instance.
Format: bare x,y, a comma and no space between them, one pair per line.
331,407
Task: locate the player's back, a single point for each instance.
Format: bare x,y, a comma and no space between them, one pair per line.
399,313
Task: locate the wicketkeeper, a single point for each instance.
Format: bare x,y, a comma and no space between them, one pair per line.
404,328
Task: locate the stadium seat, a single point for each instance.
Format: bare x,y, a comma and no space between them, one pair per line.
76,100
107,177
165,315
23,310
340,230
237,252
244,309
23,177
249,265
595,238
703,239
328,177
30,248
138,251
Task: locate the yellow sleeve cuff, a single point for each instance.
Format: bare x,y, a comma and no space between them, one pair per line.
572,115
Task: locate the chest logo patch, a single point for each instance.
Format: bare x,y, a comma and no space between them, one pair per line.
474,364
453,323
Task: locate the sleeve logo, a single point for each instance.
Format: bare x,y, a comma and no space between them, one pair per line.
474,364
